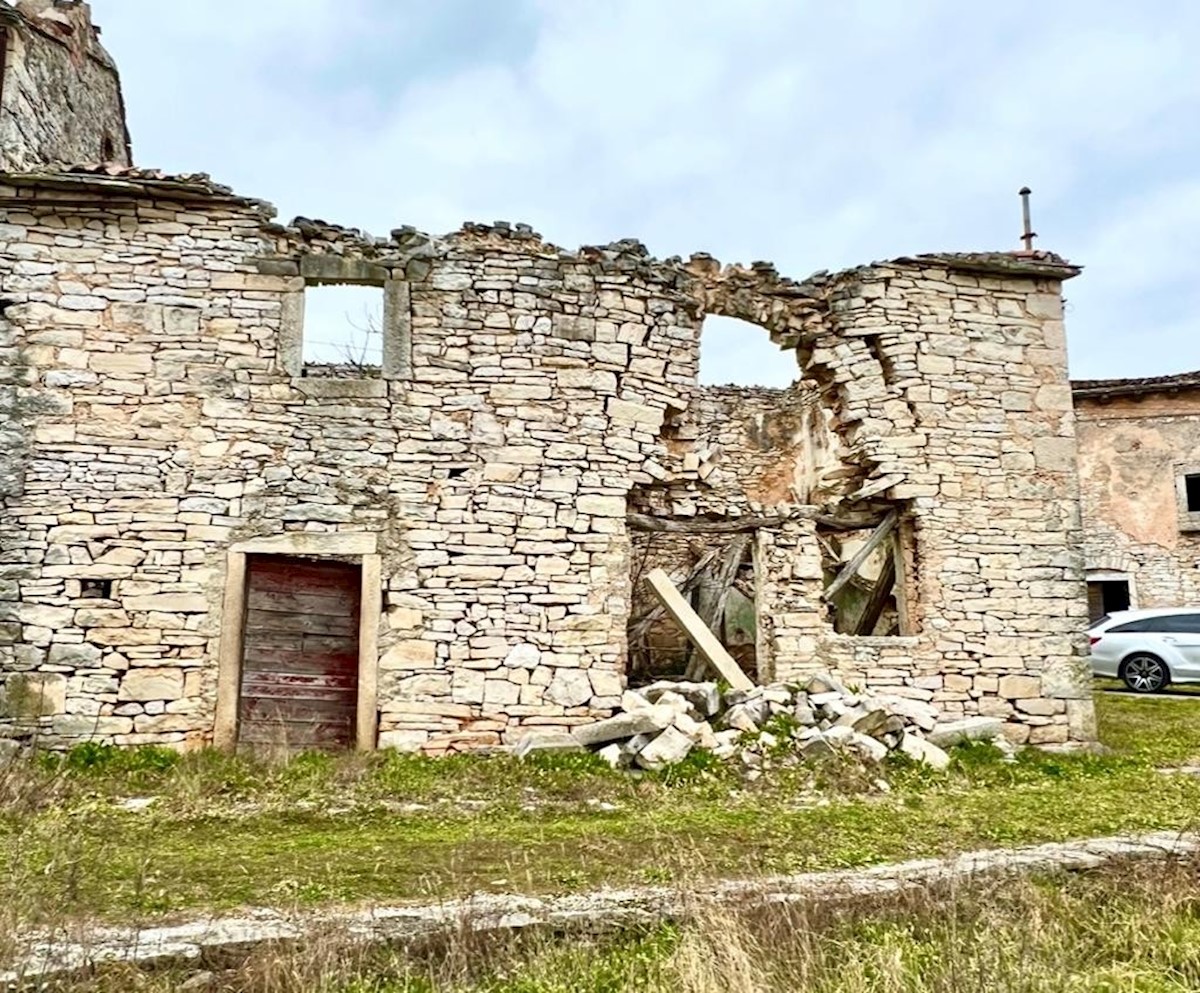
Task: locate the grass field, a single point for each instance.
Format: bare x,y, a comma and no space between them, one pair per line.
1130,928
223,832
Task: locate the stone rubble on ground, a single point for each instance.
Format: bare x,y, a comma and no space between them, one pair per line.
663,723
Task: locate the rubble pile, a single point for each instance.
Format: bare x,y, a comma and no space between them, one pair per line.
663,723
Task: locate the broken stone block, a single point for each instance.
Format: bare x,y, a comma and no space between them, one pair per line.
923,715
700,732
816,748
674,702
825,698
652,719
868,747
671,746
824,682
614,755
776,693
894,724
632,700
705,697
838,735
635,744
877,723
549,741
968,729
742,717
921,750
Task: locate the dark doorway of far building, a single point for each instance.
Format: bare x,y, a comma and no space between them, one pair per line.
1107,596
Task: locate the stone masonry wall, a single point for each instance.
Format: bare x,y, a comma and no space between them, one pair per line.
1132,453
157,418
61,95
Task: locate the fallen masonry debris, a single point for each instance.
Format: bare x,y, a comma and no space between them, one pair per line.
788,723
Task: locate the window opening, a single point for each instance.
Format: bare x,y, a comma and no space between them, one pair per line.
1107,596
107,151
865,571
343,330
737,353
1191,484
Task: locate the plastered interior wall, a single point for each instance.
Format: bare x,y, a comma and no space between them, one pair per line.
155,418
1132,452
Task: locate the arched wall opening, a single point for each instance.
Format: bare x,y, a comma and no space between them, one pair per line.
734,352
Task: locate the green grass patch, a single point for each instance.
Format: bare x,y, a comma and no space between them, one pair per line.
223,832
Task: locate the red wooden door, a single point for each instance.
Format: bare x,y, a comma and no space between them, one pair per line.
299,653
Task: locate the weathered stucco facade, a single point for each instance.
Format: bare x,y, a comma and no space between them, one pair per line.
535,410
1139,441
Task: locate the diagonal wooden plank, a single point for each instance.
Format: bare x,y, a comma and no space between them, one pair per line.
851,567
696,630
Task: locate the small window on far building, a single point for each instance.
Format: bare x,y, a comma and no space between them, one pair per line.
107,150
1191,483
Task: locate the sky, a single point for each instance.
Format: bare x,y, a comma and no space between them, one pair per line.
815,135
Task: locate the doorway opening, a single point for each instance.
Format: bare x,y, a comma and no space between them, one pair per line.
715,575
300,654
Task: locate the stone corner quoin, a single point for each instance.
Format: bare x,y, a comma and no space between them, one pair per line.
161,438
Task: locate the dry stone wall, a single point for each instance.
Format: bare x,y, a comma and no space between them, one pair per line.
61,97
157,419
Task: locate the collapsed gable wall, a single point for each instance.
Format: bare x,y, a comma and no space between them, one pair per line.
491,465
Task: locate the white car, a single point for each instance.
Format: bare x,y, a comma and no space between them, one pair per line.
1148,649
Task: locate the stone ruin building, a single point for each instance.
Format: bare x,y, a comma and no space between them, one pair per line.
1140,480
206,538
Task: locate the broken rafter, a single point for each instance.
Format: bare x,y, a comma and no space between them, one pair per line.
851,568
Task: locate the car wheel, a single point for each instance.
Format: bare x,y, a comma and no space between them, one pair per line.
1145,673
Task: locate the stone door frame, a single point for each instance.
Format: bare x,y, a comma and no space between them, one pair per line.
342,545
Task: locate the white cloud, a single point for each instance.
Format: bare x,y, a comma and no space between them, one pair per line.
817,136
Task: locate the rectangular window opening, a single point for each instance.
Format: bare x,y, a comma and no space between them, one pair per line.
1191,484
865,578
1107,596
343,330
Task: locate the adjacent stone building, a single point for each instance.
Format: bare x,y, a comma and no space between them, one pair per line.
207,538
1139,466
60,97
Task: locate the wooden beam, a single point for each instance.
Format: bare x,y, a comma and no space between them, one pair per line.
699,525
696,630
693,525
873,608
861,556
